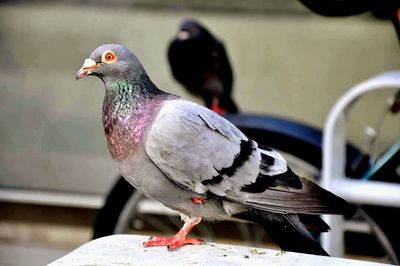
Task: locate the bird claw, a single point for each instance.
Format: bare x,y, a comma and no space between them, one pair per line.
187,241
172,242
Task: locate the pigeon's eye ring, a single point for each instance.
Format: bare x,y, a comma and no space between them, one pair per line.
108,57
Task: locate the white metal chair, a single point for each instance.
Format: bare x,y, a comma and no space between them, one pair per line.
333,167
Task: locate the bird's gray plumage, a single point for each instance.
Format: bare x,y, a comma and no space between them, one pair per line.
191,145
173,150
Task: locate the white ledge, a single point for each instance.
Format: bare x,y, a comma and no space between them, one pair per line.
128,250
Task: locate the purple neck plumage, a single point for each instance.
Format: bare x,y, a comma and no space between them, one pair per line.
128,108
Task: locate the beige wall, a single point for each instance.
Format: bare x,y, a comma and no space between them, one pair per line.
292,66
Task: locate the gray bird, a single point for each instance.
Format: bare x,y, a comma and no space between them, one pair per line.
196,162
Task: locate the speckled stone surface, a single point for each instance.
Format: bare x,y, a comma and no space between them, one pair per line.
128,250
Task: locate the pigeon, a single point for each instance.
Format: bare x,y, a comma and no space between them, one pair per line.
198,61
197,163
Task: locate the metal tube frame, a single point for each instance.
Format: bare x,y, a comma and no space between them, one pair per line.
333,164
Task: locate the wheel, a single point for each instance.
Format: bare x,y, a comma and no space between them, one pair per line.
126,209
115,202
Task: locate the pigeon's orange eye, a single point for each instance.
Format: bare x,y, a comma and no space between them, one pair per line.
108,57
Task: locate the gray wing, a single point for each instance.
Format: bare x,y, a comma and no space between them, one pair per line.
198,149
203,152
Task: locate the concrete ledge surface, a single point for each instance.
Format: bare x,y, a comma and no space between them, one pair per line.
128,250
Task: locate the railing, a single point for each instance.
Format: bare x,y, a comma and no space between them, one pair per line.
333,166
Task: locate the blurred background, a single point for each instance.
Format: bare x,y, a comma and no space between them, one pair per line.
55,170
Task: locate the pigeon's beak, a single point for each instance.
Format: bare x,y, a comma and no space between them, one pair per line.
183,35
87,68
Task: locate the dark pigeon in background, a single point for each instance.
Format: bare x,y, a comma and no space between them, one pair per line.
198,61
198,163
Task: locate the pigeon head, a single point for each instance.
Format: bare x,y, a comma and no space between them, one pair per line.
190,29
111,63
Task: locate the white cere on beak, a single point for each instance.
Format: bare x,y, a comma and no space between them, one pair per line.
183,35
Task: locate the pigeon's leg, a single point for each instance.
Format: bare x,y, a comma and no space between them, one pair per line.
199,200
216,108
179,239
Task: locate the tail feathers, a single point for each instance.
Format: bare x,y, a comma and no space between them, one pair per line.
287,231
336,204
292,235
310,198
314,223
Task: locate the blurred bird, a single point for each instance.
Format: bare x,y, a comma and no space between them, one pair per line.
199,62
198,163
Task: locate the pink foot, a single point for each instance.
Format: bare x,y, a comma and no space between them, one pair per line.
172,242
199,200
